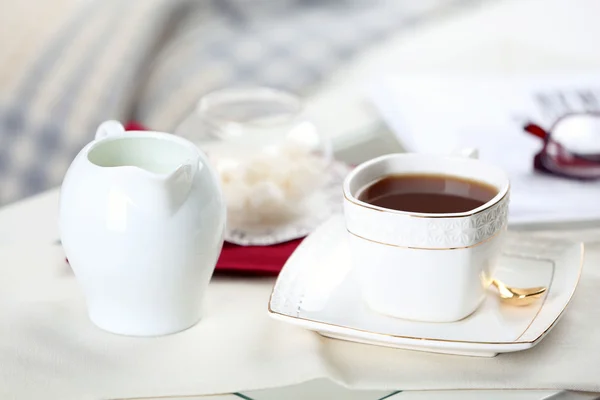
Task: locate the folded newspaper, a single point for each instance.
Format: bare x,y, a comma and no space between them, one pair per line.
437,114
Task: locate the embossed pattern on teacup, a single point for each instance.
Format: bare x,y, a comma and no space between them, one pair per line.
405,230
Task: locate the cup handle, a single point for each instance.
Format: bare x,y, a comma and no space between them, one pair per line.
467,152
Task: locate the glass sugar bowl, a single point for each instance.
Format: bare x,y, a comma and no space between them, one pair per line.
269,155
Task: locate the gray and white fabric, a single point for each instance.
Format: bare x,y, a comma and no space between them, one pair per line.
150,60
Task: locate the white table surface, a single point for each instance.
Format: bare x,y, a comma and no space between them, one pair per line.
34,221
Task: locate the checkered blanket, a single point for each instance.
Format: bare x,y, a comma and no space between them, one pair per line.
150,60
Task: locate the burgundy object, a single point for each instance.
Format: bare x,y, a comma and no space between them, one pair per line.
259,260
134,126
556,160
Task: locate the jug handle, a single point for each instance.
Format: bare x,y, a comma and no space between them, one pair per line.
108,129
467,152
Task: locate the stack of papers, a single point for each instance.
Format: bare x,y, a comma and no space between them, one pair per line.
435,114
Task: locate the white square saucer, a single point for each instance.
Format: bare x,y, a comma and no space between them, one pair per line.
317,290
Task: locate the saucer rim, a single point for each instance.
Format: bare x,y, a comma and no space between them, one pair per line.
531,342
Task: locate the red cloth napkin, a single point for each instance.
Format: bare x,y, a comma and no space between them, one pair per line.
259,260
256,260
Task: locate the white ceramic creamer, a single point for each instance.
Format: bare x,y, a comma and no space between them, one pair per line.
142,220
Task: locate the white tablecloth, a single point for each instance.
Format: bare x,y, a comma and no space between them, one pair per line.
46,339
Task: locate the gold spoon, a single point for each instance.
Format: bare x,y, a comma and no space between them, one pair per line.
518,296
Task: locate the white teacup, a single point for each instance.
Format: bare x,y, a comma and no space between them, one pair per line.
425,267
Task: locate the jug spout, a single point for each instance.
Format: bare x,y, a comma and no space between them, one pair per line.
176,186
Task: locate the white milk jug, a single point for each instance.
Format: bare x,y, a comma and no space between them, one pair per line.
142,220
